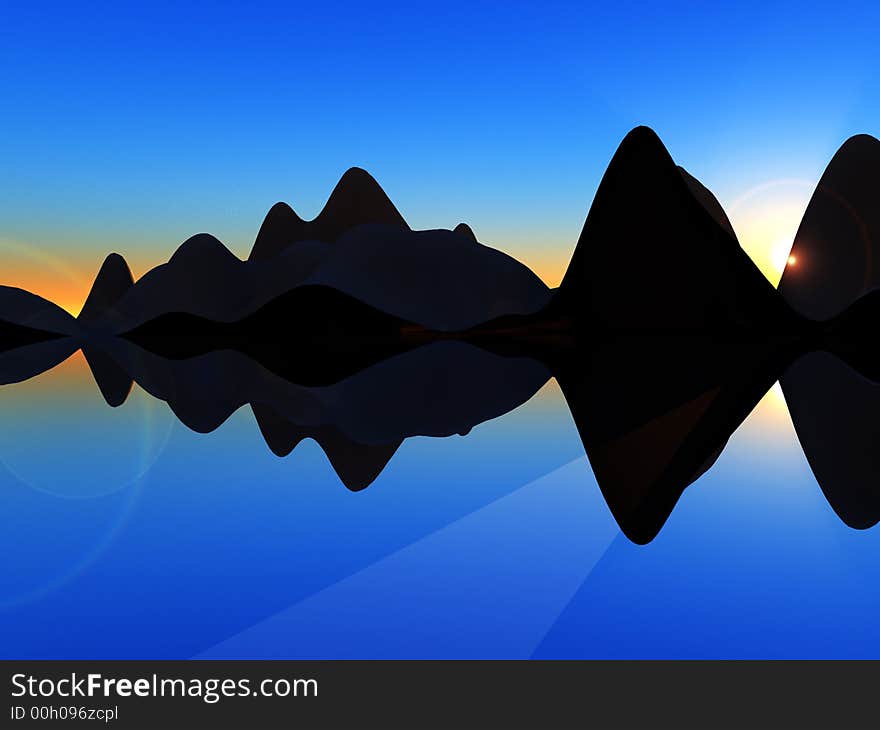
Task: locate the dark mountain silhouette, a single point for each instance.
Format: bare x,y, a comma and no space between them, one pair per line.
440,389
655,413
206,279
27,361
854,324
708,200
836,251
357,332
439,279
851,336
357,199
357,465
113,281
21,308
327,335
358,245
202,277
655,256
15,335
26,319
436,279
835,415
113,382
463,229
437,390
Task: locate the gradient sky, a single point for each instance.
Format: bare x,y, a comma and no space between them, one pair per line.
130,129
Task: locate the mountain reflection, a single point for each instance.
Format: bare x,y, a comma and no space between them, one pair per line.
653,413
357,332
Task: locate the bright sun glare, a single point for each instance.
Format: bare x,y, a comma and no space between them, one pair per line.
780,254
766,219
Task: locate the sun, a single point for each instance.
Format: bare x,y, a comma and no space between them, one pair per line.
781,256
766,219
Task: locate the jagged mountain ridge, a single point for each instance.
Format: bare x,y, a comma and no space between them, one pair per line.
654,234
357,199
439,279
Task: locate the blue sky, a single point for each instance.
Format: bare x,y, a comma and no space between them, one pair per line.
131,128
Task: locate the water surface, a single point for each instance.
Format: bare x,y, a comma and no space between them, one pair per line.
126,535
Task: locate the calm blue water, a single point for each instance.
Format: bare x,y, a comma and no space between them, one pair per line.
125,535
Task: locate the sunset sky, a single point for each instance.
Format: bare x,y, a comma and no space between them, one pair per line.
132,129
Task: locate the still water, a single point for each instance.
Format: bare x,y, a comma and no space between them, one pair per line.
126,535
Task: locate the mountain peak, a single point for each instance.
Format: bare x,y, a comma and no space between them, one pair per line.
655,234
463,229
859,143
357,199
641,138
281,227
857,156
113,280
642,148
838,241
200,249
357,176
281,211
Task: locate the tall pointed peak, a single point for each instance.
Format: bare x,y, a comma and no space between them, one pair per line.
113,280
642,139
655,234
357,199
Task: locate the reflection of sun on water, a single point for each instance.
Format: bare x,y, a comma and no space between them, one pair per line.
776,396
772,406
768,426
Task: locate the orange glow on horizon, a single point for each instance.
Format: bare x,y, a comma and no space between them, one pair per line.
66,280
68,290
69,295
549,264
66,379
63,281
766,219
